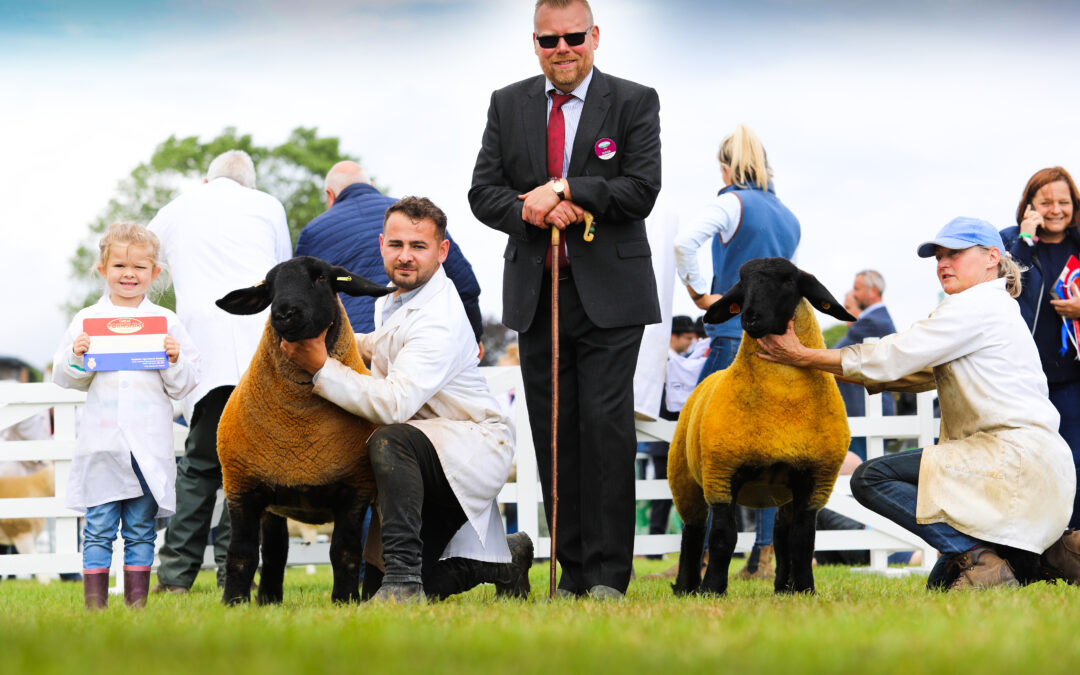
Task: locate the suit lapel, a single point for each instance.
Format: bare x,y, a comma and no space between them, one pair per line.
593,113
534,122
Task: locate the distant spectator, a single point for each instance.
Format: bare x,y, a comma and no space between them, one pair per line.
217,237
34,428
873,322
347,234
686,356
745,220
1045,237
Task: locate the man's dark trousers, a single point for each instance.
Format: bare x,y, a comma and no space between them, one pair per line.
198,477
596,478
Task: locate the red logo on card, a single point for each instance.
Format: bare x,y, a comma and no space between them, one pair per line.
125,325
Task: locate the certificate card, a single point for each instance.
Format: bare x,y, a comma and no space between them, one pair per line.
126,343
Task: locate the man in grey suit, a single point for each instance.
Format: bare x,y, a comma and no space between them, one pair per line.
561,148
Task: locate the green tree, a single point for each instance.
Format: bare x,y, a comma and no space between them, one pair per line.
833,334
293,172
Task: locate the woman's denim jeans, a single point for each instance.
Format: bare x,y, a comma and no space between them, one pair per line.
889,486
137,518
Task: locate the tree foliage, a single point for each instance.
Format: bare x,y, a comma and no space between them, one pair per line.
293,172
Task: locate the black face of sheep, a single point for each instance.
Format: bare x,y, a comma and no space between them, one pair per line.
766,295
302,296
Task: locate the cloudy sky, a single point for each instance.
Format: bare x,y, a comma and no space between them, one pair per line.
881,122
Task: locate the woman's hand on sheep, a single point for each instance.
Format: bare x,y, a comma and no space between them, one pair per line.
309,355
172,348
787,349
784,348
702,300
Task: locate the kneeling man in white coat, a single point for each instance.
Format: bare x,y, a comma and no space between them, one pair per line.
445,449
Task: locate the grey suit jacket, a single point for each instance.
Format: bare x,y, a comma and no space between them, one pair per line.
613,273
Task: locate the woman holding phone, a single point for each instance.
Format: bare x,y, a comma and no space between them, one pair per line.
1043,240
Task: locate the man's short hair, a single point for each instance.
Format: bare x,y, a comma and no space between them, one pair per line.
873,279
234,164
559,4
419,208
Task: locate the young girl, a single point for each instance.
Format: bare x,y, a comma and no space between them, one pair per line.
124,470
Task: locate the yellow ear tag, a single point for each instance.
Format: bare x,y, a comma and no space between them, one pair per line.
825,305
734,309
259,284
344,279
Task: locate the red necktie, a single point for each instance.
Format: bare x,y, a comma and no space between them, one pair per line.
556,153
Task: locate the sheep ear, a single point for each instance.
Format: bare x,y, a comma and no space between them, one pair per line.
727,306
346,282
251,300
819,296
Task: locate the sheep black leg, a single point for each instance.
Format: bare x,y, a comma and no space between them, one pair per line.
275,552
347,551
693,541
242,560
722,542
782,550
802,534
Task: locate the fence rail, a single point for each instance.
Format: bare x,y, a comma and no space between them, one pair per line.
20,401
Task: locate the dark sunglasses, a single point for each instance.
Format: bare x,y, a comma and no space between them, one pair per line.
572,39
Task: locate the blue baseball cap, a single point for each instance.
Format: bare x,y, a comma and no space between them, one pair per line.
961,233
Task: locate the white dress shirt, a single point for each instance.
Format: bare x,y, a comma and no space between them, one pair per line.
721,216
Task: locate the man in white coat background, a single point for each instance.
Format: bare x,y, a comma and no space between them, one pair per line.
218,236
445,449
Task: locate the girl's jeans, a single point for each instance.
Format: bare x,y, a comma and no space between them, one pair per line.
137,518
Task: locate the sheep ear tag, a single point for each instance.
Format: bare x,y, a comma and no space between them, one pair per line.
344,279
734,308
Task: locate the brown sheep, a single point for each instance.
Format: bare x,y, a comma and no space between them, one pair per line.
23,532
759,433
285,452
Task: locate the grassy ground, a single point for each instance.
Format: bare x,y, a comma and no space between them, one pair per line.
854,624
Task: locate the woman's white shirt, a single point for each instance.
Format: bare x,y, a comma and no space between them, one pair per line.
721,216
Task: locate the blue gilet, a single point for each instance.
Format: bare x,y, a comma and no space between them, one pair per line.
766,229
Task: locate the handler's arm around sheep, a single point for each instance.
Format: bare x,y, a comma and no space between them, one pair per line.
445,449
997,490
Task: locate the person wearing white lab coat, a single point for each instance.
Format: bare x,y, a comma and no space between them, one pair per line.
123,472
217,236
446,448
997,490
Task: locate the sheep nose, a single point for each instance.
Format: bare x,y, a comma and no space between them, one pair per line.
287,314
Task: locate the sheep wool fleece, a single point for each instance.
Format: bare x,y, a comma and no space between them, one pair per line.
324,444
756,413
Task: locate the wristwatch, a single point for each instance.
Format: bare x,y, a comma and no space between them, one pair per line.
559,188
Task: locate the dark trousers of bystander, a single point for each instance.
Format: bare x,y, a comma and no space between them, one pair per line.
198,478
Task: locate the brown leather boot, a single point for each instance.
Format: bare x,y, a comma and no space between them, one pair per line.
136,585
1062,560
96,588
759,564
983,568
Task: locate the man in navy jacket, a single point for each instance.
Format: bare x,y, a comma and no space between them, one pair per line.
874,322
347,234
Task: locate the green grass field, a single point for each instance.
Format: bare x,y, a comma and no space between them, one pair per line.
855,624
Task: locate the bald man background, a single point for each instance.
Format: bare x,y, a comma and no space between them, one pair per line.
347,234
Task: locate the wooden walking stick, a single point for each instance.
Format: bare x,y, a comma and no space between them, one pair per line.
554,400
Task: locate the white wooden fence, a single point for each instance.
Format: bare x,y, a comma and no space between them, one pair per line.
19,401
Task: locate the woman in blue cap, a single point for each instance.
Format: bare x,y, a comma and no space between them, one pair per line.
1045,237
997,490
